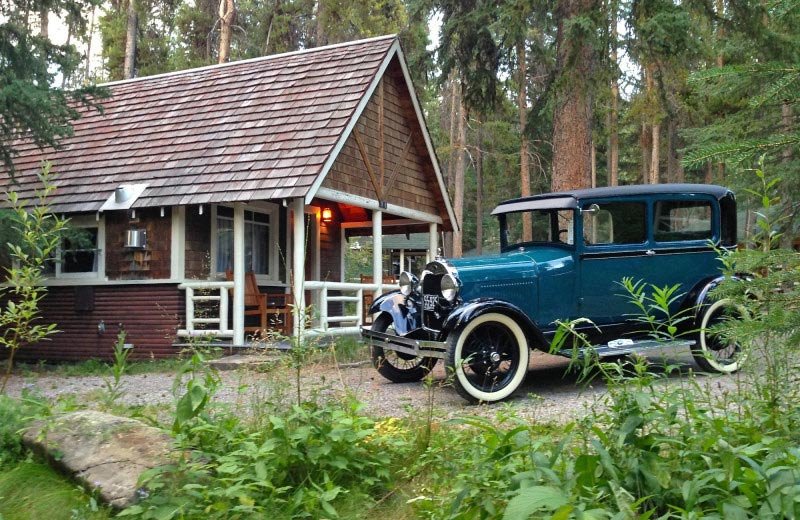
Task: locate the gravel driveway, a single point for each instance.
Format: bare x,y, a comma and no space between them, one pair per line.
549,393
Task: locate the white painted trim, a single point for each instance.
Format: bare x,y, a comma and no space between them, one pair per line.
97,220
433,242
213,247
371,204
177,253
242,62
427,137
298,263
367,224
342,252
238,274
263,207
377,251
365,99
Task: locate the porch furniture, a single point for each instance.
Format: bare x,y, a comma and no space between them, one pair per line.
273,309
368,298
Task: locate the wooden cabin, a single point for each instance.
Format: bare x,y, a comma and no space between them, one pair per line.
258,166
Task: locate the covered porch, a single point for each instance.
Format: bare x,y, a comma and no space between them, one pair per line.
322,301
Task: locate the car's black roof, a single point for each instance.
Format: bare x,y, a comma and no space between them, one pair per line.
618,191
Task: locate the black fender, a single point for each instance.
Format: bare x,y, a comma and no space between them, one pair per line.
394,303
699,296
468,311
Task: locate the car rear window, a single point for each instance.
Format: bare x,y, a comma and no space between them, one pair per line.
677,220
616,223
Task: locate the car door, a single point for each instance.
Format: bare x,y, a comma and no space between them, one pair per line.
613,244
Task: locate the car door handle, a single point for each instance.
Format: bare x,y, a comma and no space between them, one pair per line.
650,252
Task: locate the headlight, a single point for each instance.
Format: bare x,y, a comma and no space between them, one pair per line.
449,287
407,283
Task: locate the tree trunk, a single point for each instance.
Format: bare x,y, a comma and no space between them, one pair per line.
320,24
479,191
270,21
572,116
594,165
524,166
44,23
656,149
786,126
613,113
458,195
645,143
87,70
673,161
129,66
227,13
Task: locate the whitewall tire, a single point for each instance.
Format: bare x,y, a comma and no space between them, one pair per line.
712,352
488,358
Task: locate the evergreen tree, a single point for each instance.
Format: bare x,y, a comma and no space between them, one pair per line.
30,104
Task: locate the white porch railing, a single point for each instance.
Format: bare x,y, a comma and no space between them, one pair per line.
217,313
220,318
351,293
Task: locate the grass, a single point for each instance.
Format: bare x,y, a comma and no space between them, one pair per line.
30,490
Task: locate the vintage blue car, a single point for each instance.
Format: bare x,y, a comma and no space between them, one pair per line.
562,257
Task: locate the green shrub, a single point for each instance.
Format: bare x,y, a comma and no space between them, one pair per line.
299,465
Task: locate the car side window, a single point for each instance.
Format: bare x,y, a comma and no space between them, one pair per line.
615,223
676,220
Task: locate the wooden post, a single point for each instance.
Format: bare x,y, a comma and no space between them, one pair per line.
433,240
177,255
377,249
298,263
238,274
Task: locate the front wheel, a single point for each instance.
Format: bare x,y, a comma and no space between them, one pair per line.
713,352
397,367
488,358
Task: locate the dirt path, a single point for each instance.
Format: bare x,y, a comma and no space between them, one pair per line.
549,394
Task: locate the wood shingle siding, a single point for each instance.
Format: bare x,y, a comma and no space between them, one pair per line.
409,180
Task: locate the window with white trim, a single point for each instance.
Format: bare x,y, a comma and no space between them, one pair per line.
260,237
80,253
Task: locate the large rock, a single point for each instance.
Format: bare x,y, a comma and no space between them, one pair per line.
104,452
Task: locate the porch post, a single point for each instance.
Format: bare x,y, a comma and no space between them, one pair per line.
177,253
433,240
402,260
238,274
377,249
298,263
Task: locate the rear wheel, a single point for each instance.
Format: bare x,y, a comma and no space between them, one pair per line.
397,367
488,358
713,351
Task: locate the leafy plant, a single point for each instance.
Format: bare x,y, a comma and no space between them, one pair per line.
40,232
118,369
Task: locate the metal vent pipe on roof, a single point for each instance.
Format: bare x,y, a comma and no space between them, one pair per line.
122,194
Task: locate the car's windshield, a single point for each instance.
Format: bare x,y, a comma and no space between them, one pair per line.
551,226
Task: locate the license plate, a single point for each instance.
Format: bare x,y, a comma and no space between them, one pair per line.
429,301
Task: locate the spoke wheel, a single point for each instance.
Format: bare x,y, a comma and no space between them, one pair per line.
488,358
713,352
397,367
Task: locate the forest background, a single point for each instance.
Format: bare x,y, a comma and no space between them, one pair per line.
520,96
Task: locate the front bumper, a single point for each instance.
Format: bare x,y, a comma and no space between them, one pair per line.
413,347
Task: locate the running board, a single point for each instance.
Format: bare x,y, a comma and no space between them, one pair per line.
625,347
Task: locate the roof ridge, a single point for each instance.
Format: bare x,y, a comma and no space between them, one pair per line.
250,60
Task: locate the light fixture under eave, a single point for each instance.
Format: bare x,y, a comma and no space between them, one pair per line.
327,215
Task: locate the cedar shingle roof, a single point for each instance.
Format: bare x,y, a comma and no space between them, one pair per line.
251,130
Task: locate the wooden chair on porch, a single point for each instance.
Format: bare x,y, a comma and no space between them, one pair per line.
367,298
274,310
